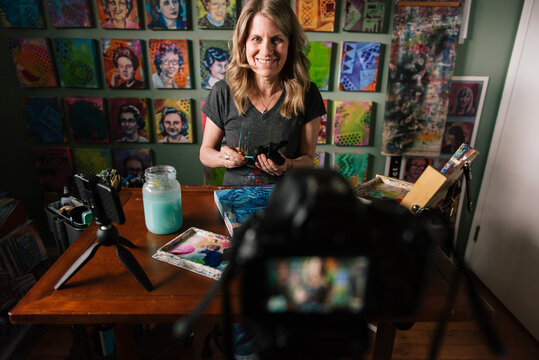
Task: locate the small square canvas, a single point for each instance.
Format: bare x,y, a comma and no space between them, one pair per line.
87,119
319,55
132,162
22,14
456,133
170,64
352,164
216,14
166,15
316,15
130,118
123,64
214,58
323,132
352,123
364,15
120,14
359,66
54,166
319,159
69,13
33,62
173,120
91,161
45,120
76,62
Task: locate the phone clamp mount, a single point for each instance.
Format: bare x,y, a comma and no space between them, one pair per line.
106,207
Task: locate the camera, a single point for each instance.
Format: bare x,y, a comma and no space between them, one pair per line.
271,150
317,263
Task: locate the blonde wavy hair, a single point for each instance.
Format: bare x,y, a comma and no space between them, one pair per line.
294,76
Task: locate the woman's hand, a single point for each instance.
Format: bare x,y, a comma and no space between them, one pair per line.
267,165
115,79
231,157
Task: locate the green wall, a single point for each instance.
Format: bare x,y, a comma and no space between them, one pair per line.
486,52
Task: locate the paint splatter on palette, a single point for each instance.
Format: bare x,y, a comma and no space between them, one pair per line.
383,188
196,250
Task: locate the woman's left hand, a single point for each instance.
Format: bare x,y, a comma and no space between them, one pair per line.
267,165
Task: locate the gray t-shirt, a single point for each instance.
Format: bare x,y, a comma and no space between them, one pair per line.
255,129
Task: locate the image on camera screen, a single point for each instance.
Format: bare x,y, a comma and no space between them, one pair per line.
316,284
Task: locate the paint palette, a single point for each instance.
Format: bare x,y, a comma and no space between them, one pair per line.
383,188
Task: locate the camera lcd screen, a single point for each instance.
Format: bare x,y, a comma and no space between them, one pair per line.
316,284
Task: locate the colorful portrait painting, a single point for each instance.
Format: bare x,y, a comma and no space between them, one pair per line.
319,55
130,119
91,161
70,13
359,66
55,167
214,59
118,14
76,62
166,14
170,64
44,119
21,14
456,133
352,123
87,119
352,164
173,120
414,167
132,162
323,132
33,62
463,99
123,63
316,15
216,14
364,15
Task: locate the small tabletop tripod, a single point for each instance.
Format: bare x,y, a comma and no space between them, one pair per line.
106,208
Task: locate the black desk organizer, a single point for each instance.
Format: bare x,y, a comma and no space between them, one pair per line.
64,229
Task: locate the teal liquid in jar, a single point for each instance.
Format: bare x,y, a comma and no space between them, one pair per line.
161,195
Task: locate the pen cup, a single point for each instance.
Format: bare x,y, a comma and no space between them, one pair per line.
162,198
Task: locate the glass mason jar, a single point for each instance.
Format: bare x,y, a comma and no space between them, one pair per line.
162,198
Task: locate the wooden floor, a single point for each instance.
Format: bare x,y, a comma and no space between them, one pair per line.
462,340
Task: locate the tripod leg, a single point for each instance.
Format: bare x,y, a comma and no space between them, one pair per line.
78,264
123,241
133,266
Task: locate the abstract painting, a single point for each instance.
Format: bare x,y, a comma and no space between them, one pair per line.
166,14
173,120
131,162
170,64
316,15
55,167
421,62
359,66
364,15
33,62
21,14
44,119
352,123
214,58
216,14
87,119
118,14
130,118
69,13
76,62
352,164
323,132
91,161
319,55
122,60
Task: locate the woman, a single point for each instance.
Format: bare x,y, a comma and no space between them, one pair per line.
167,15
215,61
168,60
173,126
463,103
455,138
267,98
126,63
117,12
131,123
414,169
216,17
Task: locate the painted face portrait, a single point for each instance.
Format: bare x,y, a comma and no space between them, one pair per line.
126,69
170,64
415,168
128,123
117,9
218,69
169,9
217,9
134,166
172,124
215,14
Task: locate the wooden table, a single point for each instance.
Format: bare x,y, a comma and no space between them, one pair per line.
104,292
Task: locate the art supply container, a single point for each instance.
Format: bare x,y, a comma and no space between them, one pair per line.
162,198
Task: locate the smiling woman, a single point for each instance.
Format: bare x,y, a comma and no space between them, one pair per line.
116,14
